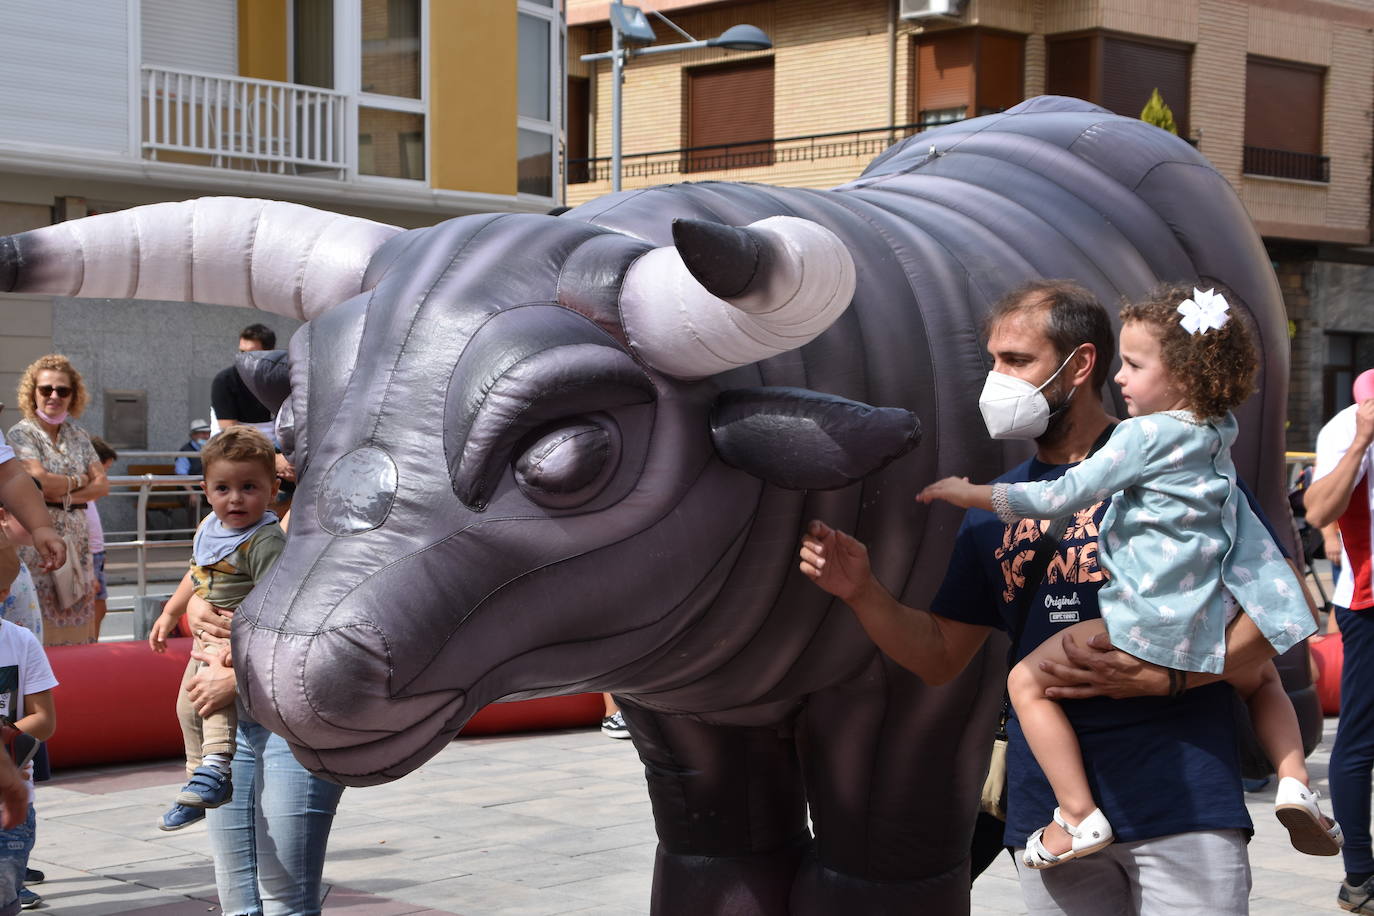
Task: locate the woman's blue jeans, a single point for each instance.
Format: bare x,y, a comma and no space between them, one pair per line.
269,842
15,846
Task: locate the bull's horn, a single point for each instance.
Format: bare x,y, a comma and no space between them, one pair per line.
726,297
264,254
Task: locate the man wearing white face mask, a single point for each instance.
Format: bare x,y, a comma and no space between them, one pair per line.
1171,762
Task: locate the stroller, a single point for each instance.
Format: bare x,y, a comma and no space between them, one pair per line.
1309,536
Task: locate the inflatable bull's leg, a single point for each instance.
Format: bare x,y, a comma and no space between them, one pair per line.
730,809
879,790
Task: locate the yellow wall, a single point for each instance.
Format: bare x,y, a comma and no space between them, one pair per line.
472,101
262,39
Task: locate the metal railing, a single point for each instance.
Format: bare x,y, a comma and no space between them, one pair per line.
868,141
1281,163
241,123
142,488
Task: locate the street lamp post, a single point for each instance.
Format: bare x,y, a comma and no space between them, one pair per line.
630,35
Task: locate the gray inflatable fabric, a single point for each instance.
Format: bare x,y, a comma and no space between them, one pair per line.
500,496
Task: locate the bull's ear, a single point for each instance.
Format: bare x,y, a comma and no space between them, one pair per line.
267,373
804,440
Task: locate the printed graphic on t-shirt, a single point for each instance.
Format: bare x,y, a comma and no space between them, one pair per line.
1075,562
9,692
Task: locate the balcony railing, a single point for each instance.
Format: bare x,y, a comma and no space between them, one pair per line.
867,142
236,123
1279,163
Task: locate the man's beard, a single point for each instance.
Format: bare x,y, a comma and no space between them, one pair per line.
1059,426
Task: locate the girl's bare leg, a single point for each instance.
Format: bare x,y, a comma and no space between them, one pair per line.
1273,718
1049,734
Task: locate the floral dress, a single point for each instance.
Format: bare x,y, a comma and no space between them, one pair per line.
72,454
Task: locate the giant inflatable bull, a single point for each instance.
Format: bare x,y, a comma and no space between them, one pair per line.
547,455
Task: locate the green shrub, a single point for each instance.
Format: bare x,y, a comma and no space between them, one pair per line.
1157,113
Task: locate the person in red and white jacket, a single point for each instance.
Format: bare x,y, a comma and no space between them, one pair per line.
1342,491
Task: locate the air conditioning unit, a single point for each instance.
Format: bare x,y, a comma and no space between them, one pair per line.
932,9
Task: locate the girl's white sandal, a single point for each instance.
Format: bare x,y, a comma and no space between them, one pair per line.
1090,835
1296,808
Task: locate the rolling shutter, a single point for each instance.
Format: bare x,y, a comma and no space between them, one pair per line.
944,74
197,35
1001,71
1131,70
730,105
1283,106
1070,65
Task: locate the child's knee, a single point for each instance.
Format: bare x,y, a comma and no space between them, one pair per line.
1022,683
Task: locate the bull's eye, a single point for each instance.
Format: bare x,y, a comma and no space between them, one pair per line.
566,465
357,492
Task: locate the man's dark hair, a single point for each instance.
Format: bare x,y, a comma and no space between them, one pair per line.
1073,316
262,334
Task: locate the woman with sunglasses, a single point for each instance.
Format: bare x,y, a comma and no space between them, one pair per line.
59,456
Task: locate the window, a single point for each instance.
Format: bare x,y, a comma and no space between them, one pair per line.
312,43
965,73
1283,120
579,129
729,110
1338,373
391,108
540,108
1119,72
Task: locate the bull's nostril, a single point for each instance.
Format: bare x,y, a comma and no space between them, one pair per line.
357,491
342,694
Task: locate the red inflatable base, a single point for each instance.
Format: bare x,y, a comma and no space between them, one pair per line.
1329,654
117,703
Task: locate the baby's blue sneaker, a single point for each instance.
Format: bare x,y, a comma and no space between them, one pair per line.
179,816
207,788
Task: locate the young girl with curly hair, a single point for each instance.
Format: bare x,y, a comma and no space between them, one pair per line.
1184,552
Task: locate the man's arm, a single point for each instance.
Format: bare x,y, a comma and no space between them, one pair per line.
222,399
1328,496
1098,669
23,500
932,647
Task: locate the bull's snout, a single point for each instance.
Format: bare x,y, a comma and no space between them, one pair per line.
332,692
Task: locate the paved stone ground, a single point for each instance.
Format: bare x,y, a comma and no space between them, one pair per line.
528,825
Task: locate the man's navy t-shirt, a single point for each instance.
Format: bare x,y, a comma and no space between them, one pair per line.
1157,765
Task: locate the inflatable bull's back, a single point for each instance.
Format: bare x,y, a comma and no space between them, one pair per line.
548,455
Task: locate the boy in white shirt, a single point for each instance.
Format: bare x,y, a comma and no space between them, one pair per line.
26,712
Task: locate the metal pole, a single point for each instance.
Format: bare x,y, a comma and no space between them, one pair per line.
617,74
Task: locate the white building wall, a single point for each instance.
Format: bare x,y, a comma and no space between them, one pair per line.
71,59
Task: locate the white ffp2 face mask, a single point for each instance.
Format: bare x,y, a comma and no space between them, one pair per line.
1014,408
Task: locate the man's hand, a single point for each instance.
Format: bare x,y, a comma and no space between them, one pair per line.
51,547
834,561
214,686
1098,669
1364,424
208,621
284,469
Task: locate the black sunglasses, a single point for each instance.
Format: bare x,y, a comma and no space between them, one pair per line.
62,390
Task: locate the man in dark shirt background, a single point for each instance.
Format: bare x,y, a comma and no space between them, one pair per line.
234,404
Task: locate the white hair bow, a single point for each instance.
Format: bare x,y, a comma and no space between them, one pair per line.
1204,312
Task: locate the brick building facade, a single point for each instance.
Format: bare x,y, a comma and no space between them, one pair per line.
1278,94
